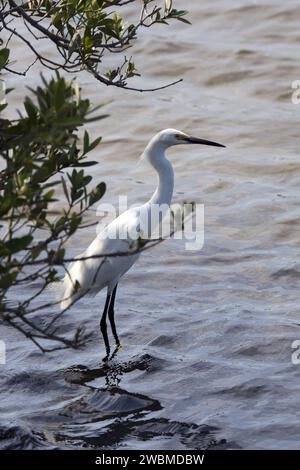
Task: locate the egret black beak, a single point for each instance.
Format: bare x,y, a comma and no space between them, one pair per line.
195,140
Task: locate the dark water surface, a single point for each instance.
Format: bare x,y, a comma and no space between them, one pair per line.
206,357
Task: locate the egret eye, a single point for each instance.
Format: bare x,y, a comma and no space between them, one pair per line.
180,137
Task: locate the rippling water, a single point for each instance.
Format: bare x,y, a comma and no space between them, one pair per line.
211,365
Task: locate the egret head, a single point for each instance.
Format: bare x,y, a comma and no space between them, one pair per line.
174,137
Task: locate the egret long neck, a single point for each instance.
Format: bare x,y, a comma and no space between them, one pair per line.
164,191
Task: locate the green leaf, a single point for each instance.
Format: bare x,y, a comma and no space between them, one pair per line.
87,163
30,108
56,21
18,244
95,143
86,142
64,185
97,193
60,93
183,20
96,118
4,55
7,279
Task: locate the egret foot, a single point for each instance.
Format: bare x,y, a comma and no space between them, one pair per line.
105,358
117,347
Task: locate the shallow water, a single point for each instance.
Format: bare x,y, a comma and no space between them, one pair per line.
211,365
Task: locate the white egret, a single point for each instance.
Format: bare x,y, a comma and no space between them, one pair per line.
92,274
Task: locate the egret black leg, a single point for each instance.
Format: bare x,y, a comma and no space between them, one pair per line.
103,326
111,316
